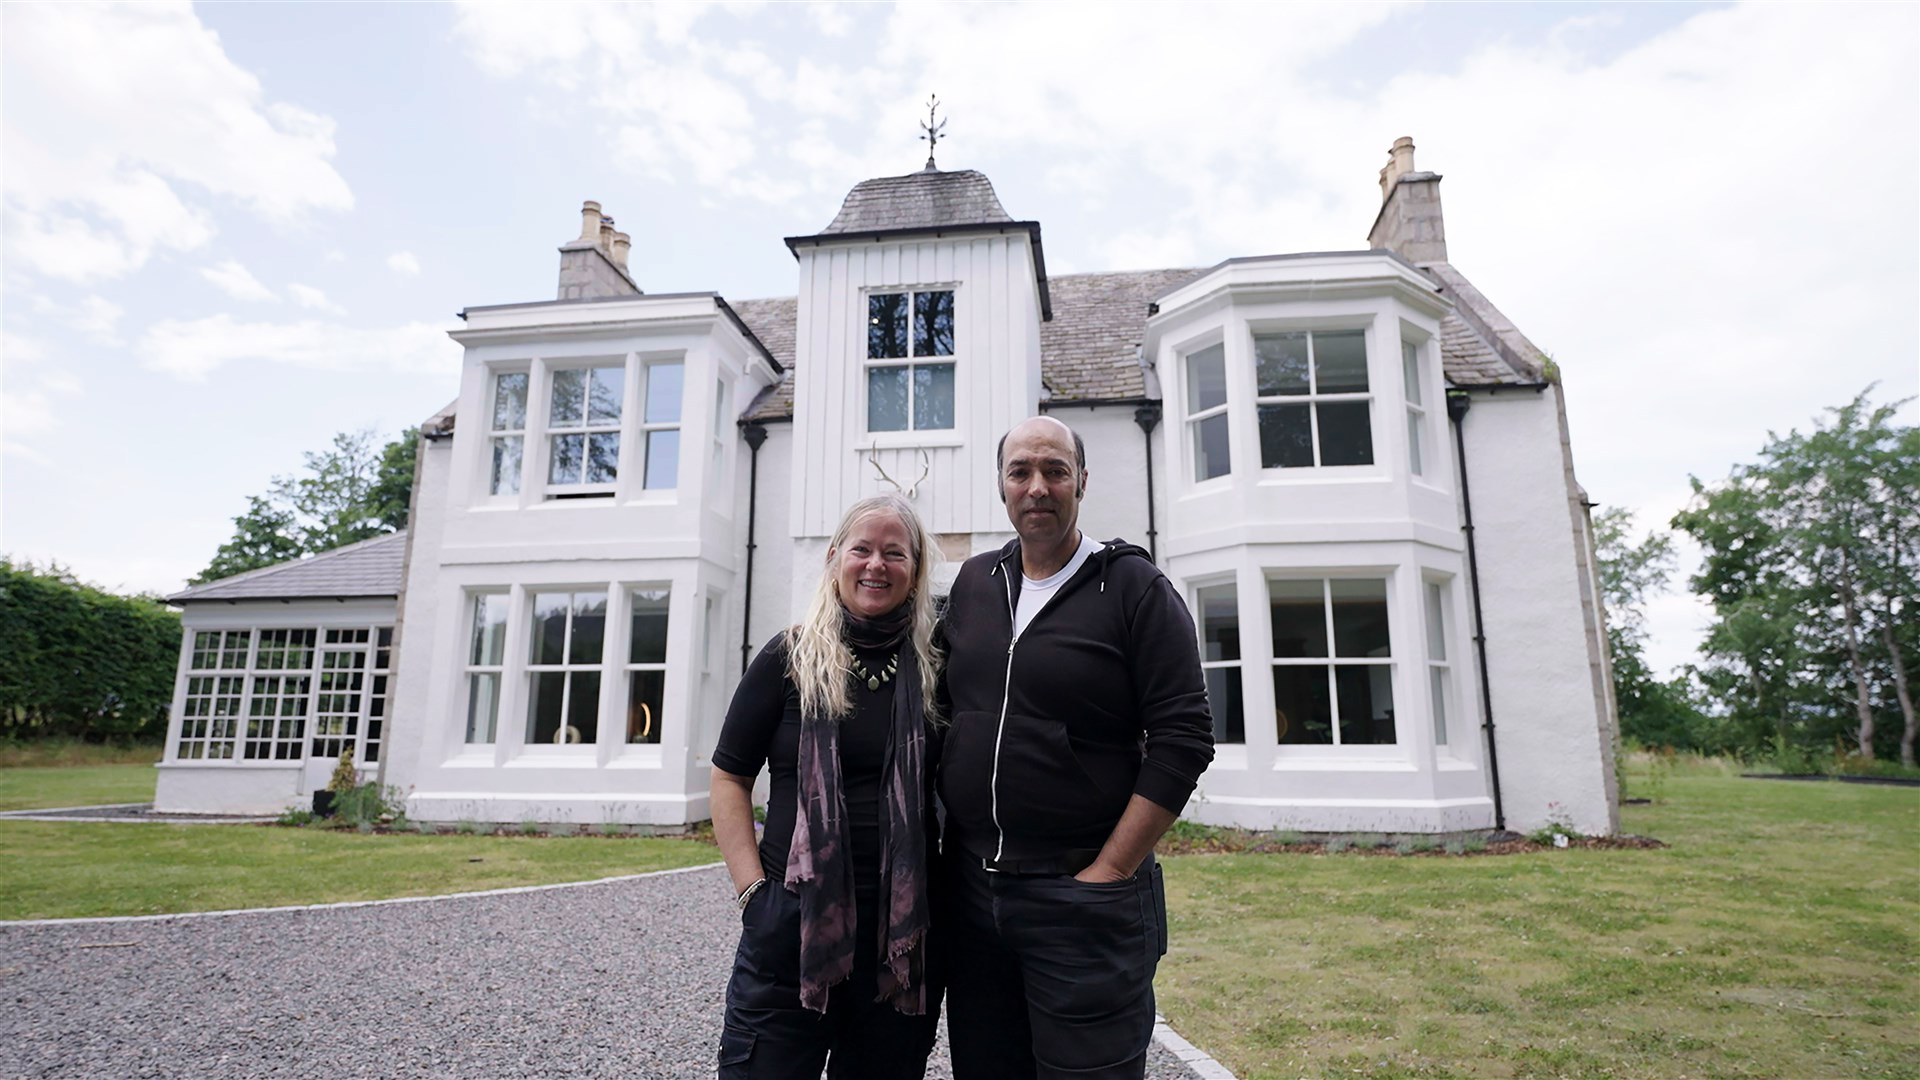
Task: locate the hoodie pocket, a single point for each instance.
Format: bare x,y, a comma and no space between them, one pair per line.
1045,790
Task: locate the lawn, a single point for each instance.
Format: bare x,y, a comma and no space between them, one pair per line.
1775,937
42,787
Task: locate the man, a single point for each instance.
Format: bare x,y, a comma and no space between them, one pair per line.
1079,728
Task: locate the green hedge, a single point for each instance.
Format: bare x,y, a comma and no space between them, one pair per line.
79,662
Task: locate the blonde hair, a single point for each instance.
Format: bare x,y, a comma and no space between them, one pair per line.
818,659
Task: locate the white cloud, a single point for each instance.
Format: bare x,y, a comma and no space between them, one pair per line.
192,349
238,282
404,263
95,317
137,113
309,297
27,408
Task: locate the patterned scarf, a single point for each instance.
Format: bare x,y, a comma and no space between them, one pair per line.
819,856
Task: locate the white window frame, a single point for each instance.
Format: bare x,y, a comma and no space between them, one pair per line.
1194,418
472,670
1333,661
498,435
329,730
207,732
1436,596
532,669
643,448
1313,398
1413,376
586,428
277,741
909,362
629,667
1237,665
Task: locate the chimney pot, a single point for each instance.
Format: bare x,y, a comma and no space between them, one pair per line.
605,239
622,243
589,220
1399,164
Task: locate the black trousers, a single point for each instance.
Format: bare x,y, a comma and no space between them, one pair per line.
770,1036
1048,977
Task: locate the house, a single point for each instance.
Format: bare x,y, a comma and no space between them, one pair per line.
1353,465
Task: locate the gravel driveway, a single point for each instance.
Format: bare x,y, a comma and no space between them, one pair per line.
622,979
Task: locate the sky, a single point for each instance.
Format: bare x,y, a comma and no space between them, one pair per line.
232,231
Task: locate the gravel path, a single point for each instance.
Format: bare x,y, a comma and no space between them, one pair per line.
623,979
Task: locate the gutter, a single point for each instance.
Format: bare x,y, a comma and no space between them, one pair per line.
1457,405
755,434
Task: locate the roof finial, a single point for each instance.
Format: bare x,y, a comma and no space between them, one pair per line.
933,130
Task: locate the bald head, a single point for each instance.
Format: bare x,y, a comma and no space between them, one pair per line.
1079,446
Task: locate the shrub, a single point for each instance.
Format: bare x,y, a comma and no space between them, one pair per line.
365,804
295,816
1289,837
1336,844
529,827
1369,840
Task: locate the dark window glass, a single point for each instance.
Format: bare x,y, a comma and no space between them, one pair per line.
1223,700
1346,436
649,627
1286,436
1280,363
543,713
550,628
1219,623
887,326
1302,714
1299,618
1360,618
589,628
645,691
1366,704
933,323
1340,362
603,457
583,708
1211,456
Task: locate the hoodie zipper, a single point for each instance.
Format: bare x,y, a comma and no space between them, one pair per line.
1006,696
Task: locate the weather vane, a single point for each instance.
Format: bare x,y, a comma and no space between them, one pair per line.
933,130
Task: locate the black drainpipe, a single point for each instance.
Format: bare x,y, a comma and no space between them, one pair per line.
1457,405
1148,417
755,434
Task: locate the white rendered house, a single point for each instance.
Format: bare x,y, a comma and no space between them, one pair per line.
1355,468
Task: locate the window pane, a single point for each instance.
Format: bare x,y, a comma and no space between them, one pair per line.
1439,676
1302,714
589,628
1366,704
583,708
545,702
1410,372
645,689
483,707
1340,362
1211,457
603,457
1299,618
649,645
932,396
1416,433
506,465
1346,438
510,402
550,627
887,326
663,460
665,384
568,450
1223,700
1206,379
489,629
1436,633
1219,623
606,386
933,323
1359,617
1280,363
1286,436
569,398
887,399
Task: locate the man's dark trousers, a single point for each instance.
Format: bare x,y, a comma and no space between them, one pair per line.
1048,976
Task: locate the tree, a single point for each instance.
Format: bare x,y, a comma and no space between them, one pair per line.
81,662
347,493
1810,557
1653,712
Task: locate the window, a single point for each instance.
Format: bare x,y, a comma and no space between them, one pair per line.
277,705
1416,406
343,680
210,714
1332,669
486,656
720,410
647,664
1439,672
569,631
583,428
1313,400
1219,609
377,700
909,326
660,425
1207,412
508,433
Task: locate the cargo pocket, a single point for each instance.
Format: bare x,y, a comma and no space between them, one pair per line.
736,1053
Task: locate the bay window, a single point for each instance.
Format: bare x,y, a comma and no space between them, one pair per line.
583,429
568,632
486,661
1207,412
660,425
507,437
647,664
1313,402
1416,406
1332,662
1219,610
1439,671
914,327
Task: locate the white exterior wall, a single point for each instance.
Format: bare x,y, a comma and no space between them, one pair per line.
236,785
1116,502
996,377
1553,729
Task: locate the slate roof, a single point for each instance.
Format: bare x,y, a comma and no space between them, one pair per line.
922,200
774,322
1479,345
370,568
1089,351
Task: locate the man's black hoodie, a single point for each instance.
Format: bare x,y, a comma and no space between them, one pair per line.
1100,699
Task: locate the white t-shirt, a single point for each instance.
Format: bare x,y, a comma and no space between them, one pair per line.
1034,595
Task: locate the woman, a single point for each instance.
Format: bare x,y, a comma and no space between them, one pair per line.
833,901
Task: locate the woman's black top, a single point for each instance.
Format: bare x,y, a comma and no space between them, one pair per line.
763,728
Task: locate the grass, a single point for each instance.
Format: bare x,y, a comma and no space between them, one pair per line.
45,786
65,870
43,752
1776,936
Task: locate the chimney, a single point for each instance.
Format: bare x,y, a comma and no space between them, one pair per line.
595,264
1409,222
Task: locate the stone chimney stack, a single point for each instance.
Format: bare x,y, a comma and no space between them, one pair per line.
595,265
1409,222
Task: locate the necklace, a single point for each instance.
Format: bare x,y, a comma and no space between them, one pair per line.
873,680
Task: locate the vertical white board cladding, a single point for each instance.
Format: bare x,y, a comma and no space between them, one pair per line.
997,377
1553,739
